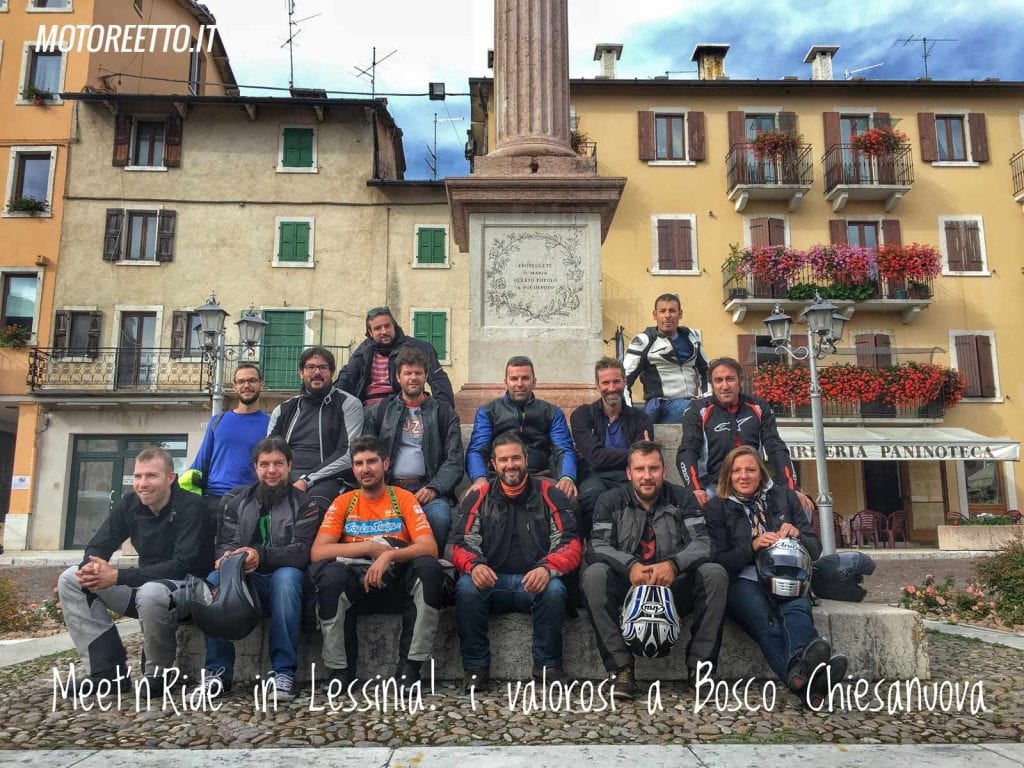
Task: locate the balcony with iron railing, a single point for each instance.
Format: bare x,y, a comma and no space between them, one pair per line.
1017,171
156,371
854,175
743,293
787,176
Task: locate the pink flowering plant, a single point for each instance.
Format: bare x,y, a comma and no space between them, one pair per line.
944,602
848,264
772,263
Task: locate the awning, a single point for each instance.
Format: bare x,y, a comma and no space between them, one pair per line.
900,444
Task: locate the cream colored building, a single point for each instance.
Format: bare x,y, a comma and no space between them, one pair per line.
293,206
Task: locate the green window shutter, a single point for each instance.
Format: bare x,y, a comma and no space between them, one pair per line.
298,148
294,241
430,248
432,327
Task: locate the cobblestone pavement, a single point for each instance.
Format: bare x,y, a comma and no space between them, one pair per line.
27,719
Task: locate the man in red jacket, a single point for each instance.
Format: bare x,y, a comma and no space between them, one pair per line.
514,541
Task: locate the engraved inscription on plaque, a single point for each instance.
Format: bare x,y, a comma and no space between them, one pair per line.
534,277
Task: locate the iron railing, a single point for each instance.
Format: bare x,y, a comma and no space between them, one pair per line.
795,167
1017,171
845,166
154,370
877,409
803,284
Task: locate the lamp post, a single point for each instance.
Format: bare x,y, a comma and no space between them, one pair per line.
215,349
825,329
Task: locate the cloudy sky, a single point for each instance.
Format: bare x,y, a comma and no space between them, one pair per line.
447,41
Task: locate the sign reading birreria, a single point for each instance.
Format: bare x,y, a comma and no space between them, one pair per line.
534,277
892,451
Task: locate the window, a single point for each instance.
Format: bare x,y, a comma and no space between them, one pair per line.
77,333
21,291
147,142
984,481
862,233
293,246
298,150
431,246
950,138
963,245
186,338
44,71
432,326
49,5
30,181
954,137
195,68
148,147
671,136
674,244
974,355
139,237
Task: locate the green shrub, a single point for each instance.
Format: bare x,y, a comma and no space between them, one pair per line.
1004,575
15,614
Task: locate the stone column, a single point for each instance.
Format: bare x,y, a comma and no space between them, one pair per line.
531,78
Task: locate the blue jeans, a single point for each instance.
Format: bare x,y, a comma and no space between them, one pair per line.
783,628
281,596
472,607
664,410
439,515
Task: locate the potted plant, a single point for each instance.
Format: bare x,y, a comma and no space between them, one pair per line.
774,144
878,141
26,205
15,336
916,262
578,140
38,96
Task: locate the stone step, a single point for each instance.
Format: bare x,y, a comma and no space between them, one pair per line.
880,641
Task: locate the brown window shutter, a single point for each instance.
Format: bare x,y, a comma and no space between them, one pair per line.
865,346
970,234
122,139
737,129
837,231
695,126
776,232
967,364
891,232
787,122
832,133
746,345
61,331
929,144
759,234
883,350
113,235
674,239
683,237
645,128
167,223
979,137
179,327
986,374
172,142
955,246
666,250
93,343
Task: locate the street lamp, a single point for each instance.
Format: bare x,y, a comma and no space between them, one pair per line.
215,349
825,326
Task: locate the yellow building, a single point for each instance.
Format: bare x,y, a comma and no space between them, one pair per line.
698,184
39,134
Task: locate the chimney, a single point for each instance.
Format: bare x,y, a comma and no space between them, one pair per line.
710,58
607,54
820,59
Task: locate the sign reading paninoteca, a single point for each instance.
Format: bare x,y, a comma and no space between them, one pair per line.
900,444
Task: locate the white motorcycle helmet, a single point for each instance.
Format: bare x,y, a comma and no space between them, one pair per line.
784,569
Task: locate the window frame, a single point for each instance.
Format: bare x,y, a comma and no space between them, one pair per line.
27,51
954,363
13,172
158,211
75,311
138,213
413,311
416,263
944,246
195,67
964,136
311,221
133,164
684,113
31,8
655,252
12,271
964,115
313,167
1009,488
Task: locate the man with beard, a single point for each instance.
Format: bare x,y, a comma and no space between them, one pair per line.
652,533
540,425
603,432
422,441
514,543
318,424
273,524
371,373
375,550
727,419
224,458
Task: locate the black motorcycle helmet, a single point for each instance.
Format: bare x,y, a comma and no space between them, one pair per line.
228,612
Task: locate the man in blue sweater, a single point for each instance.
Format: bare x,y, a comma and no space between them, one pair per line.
225,455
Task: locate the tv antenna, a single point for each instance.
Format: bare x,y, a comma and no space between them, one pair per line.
431,157
293,32
370,72
849,73
927,43
670,72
